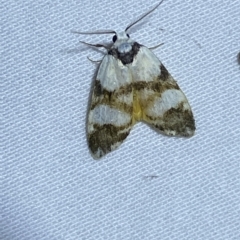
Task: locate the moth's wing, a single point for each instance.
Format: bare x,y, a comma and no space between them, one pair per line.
159,100
110,113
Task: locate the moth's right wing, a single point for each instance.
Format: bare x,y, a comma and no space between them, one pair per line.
110,114
158,99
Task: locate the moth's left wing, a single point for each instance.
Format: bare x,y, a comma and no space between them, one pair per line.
110,113
158,100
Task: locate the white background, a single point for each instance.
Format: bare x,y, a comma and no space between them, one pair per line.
53,189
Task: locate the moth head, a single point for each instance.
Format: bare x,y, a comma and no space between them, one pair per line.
120,36
122,42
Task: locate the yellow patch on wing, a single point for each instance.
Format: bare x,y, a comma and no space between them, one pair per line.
137,109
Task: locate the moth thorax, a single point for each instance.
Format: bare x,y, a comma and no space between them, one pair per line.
124,47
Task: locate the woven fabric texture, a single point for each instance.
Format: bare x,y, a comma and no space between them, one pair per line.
153,186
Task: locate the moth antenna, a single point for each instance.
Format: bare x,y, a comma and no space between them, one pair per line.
95,45
94,61
96,32
143,16
154,47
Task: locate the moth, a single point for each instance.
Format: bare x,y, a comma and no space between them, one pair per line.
132,85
